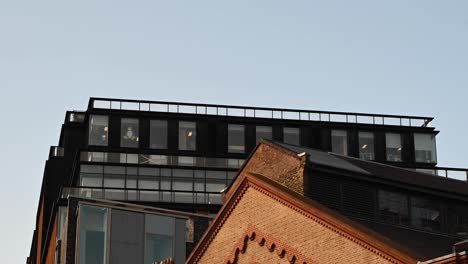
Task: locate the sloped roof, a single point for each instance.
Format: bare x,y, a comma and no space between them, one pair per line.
382,171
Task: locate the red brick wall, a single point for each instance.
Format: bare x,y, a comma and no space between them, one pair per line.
281,166
289,229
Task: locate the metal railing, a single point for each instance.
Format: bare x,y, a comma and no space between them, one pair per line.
144,195
259,112
451,173
156,159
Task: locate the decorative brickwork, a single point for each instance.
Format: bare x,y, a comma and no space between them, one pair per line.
282,250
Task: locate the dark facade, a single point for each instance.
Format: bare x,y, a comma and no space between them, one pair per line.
181,156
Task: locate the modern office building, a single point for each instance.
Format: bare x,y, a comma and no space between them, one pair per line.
180,156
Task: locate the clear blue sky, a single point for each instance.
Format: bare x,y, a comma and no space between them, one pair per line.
394,57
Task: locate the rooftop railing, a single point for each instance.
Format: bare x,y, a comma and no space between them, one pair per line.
259,112
143,195
460,174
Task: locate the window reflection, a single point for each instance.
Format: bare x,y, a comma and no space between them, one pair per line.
425,214
187,135
425,148
393,146
291,135
366,146
393,207
93,233
129,133
265,132
158,134
98,130
236,138
339,142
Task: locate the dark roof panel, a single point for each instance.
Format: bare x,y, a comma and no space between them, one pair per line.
382,171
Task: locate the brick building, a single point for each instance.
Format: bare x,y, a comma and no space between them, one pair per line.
273,214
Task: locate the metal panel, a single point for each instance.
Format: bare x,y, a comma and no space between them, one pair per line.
127,237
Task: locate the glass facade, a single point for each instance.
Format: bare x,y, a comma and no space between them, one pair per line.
292,135
393,146
366,145
98,130
425,148
339,142
265,132
129,137
153,184
111,235
187,135
158,134
236,138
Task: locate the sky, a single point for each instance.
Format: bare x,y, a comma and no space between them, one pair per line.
392,57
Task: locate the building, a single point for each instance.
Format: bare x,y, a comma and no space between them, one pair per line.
180,156
274,213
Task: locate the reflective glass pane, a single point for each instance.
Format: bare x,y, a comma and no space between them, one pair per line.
393,207
339,142
160,232
187,135
236,138
366,146
291,135
425,214
98,130
393,146
129,137
425,148
158,134
265,132
92,231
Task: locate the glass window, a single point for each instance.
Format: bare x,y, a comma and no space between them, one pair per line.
265,132
425,148
339,142
236,138
393,146
425,214
393,207
291,135
457,217
114,177
98,130
366,146
159,238
93,234
187,135
129,133
158,134
91,175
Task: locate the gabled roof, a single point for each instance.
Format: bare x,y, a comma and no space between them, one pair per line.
362,235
